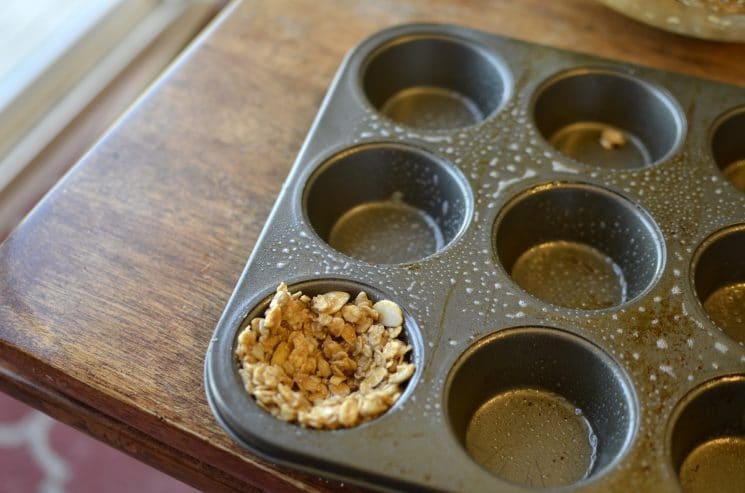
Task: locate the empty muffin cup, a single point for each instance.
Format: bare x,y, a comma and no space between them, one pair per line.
608,119
719,279
578,246
434,82
707,437
387,203
540,407
728,146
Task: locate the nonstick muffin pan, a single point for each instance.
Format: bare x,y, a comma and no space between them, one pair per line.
566,237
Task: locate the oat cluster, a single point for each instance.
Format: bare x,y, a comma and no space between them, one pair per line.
324,362
612,138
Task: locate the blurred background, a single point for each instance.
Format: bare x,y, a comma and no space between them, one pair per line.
68,70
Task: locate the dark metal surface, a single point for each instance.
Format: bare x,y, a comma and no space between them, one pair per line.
434,82
571,109
728,146
578,246
528,441
719,279
555,291
387,203
708,437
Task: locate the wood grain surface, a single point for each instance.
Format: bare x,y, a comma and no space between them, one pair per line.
111,288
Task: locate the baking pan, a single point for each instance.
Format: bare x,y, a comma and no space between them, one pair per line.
566,237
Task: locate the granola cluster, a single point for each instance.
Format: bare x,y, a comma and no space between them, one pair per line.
325,362
612,138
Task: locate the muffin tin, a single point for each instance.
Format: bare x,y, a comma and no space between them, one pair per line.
575,300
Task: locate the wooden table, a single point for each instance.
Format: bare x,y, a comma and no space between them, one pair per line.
111,288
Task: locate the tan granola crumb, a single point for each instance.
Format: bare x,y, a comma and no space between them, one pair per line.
612,138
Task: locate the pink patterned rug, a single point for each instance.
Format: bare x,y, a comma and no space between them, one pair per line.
39,454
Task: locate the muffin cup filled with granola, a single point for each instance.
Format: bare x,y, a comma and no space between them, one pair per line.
327,361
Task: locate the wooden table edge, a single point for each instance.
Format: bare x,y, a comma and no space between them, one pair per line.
20,372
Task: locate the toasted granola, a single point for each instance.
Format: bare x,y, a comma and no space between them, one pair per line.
612,138
325,362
